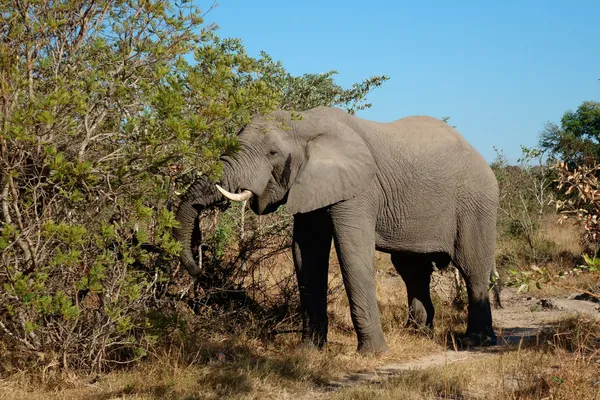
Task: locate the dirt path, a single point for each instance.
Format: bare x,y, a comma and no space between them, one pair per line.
521,319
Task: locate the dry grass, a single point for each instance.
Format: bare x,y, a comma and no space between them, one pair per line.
558,251
519,375
563,366
558,245
239,364
566,236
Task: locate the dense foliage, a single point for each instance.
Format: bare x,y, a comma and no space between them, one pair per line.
108,108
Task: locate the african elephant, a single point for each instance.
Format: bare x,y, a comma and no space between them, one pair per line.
413,188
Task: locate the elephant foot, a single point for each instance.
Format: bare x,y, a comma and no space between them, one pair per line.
372,348
476,339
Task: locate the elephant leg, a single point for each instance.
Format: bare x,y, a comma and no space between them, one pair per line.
311,247
416,271
475,259
354,238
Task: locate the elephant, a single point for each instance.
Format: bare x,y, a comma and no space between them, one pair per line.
413,188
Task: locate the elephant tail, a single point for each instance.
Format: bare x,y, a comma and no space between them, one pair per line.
496,286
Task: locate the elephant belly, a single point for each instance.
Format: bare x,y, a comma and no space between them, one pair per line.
429,233
413,245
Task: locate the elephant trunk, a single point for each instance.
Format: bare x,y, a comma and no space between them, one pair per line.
201,195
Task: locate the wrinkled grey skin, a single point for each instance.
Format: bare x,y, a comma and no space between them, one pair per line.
413,188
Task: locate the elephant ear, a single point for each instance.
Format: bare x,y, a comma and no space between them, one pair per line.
339,166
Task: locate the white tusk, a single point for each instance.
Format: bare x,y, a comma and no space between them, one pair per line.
245,195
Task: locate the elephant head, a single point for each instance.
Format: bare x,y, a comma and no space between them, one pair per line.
306,161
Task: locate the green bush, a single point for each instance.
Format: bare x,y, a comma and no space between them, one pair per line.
108,110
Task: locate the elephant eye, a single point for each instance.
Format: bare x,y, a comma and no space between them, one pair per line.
273,152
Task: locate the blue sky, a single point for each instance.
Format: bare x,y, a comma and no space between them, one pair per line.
500,69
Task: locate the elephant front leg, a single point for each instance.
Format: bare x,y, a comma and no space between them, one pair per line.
311,248
354,237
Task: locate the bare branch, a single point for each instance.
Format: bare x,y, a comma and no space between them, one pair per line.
20,340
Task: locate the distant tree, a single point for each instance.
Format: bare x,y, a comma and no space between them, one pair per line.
577,139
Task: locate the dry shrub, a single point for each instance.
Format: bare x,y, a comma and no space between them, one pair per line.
582,190
525,190
579,192
531,248
578,334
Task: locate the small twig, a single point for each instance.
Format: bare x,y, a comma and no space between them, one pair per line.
21,340
187,289
25,245
596,296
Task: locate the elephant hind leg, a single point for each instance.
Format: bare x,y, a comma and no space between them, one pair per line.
415,270
474,257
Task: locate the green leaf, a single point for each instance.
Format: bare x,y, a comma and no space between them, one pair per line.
523,288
